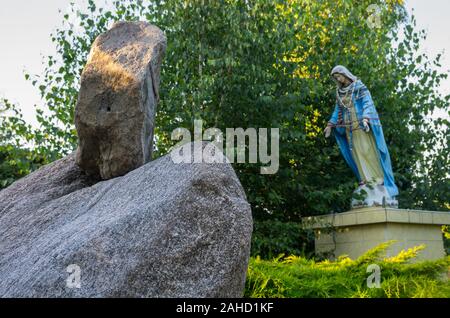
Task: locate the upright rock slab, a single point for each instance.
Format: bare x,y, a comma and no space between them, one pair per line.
162,230
115,112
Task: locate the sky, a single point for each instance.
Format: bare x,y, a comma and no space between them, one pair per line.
25,28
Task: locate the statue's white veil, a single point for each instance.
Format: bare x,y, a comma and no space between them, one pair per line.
344,71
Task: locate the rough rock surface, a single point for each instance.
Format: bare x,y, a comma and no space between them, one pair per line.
162,230
116,106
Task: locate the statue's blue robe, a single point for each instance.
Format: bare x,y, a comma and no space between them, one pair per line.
364,108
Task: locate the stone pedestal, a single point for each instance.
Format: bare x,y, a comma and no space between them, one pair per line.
355,232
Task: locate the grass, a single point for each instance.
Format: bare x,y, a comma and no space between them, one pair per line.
294,276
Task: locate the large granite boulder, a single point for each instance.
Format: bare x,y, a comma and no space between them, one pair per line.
116,106
161,230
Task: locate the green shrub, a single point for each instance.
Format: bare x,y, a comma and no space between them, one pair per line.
295,276
271,238
446,231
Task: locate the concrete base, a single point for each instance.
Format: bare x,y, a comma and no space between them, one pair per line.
357,231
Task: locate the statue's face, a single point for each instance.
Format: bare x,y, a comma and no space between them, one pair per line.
343,80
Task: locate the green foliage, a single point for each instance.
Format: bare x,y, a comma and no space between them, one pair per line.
446,231
266,64
295,276
16,160
271,238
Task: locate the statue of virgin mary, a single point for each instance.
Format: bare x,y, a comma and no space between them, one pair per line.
358,132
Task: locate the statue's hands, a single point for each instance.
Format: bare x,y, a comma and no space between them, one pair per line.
366,125
327,131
